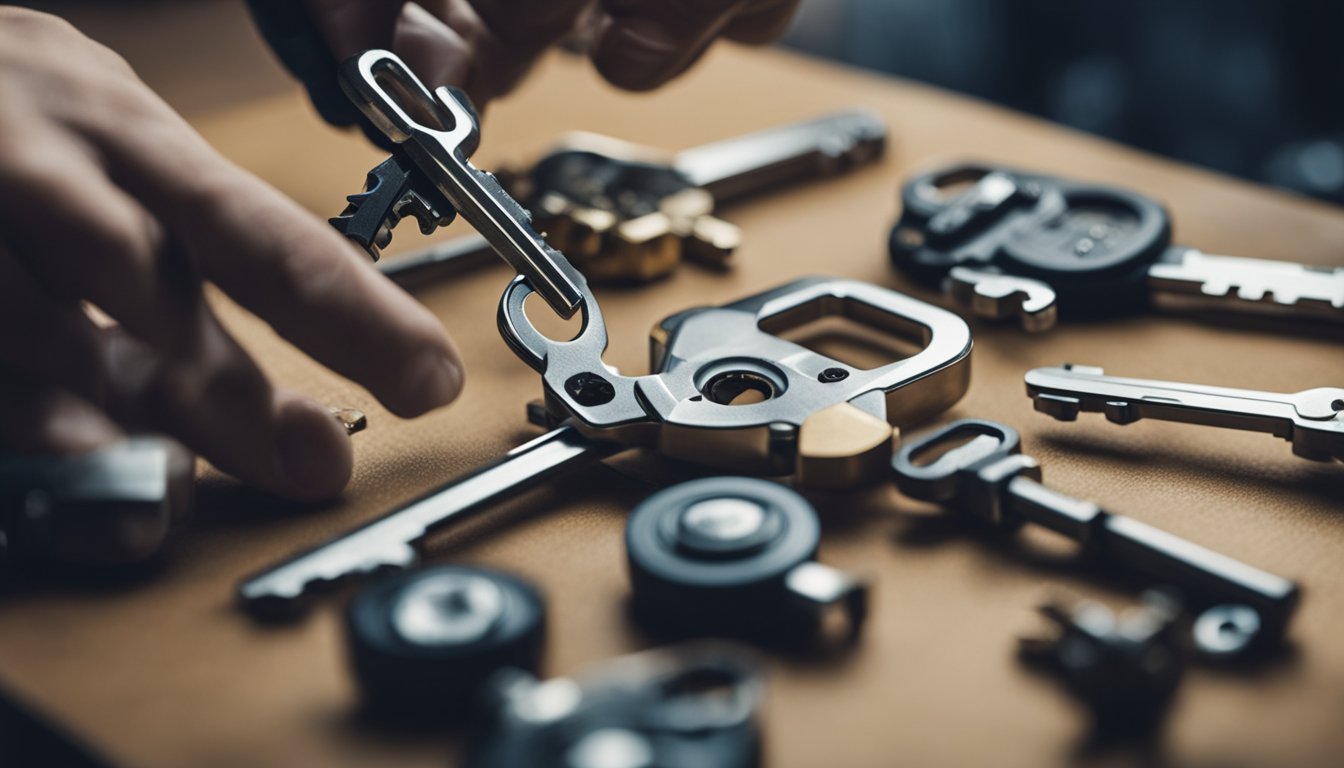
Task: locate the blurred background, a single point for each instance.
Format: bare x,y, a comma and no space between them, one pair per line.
1254,88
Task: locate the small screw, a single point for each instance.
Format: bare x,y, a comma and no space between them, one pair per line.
589,389
832,375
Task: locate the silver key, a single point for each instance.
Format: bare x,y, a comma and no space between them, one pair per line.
813,417
726,170
390,542
388,94
757,162
1313,420
1184,275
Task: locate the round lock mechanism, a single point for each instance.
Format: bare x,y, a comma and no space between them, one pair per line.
422,643
733,555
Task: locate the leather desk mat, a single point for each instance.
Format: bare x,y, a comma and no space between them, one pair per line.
165,671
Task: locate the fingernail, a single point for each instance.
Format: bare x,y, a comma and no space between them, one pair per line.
435,382
311,461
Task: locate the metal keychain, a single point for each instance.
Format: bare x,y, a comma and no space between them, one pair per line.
1312,420
1014,244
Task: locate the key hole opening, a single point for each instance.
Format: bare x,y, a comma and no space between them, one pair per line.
549,324
973,445
739,388
951,186
410,100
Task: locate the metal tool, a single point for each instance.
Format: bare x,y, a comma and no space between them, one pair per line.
989,479
116,504
679,707
725,391
1126,667
1312,420
435,133
1012,244
422,644
625,213
736,555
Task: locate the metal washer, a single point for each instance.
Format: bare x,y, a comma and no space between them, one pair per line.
714,554
421,643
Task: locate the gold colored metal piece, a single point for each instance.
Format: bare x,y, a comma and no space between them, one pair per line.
712,242
843,447
608,249
353,420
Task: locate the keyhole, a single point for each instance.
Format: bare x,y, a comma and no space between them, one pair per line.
739,388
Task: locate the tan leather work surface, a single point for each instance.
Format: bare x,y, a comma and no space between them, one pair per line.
168,673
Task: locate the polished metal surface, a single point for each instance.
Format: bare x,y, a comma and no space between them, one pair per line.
988,473
604,411
1312,420
449,610
748,164
389,542
395,100
1248,284
997,296
699,354
597,240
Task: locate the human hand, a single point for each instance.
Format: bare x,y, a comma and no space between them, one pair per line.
112,199
486,46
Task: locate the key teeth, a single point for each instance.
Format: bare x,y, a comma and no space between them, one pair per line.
392,191
1059,406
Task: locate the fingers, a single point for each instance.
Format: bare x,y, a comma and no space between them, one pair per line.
47,338
83,238
644,44
286,266
481,46
41,419
351,26
218,403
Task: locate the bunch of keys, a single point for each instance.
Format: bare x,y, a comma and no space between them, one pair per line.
620,211
1019,245
725,391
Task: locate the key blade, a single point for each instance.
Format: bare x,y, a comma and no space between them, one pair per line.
390,541
1185,275
502,221
825,146
1311,420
